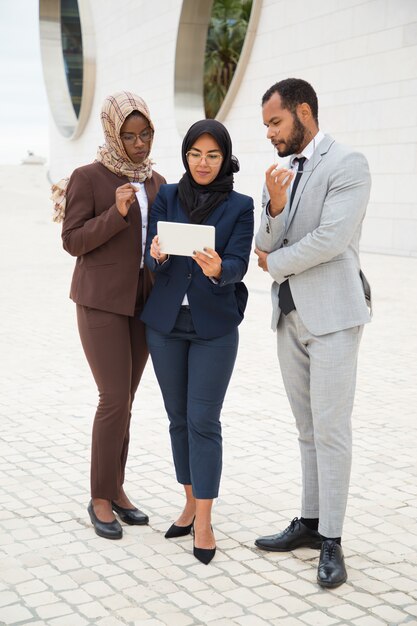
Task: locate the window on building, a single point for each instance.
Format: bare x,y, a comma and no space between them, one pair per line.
72,49
226,35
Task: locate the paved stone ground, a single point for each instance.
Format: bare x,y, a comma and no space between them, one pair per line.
55,571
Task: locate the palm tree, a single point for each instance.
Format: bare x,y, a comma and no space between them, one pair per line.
226,34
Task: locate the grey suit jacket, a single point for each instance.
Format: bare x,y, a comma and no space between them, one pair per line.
316,243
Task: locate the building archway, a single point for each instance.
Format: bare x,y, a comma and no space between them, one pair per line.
68,59
189,61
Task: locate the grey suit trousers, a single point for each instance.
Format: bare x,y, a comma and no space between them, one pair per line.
319,374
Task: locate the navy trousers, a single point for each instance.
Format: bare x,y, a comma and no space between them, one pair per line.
193,375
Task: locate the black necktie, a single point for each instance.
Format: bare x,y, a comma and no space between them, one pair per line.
286,302
298,175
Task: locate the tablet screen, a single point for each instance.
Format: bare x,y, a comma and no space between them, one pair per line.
183,239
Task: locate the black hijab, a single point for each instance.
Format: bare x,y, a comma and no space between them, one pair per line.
201,200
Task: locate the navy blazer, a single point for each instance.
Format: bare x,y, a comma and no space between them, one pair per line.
216,309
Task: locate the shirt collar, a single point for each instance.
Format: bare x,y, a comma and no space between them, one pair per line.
310,147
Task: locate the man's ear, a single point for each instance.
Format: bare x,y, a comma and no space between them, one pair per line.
304,112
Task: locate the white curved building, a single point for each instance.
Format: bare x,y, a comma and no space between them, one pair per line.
359,55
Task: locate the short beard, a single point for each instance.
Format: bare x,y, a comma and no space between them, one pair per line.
296,140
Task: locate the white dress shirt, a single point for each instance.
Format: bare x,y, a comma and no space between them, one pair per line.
143,204
307,153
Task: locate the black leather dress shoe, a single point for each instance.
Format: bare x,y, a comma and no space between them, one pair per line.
108,530
331,571
296,535
134,517
178,531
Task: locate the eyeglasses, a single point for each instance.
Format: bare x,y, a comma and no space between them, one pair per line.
145,136
211,159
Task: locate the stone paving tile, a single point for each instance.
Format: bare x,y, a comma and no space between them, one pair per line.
54,571
15,614
368,621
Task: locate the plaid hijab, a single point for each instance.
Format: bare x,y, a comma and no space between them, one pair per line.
112,154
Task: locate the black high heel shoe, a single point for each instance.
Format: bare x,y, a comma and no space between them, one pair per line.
178,531
204,555
130,516
108,530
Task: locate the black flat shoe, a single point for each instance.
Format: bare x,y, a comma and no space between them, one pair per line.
178,531
296,535
108,530
331,571
204,555
134,517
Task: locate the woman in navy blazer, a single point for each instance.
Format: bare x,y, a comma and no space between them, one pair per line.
192,316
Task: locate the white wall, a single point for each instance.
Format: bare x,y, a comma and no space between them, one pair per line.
360,56
135,50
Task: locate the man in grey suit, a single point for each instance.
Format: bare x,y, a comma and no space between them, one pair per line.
308,241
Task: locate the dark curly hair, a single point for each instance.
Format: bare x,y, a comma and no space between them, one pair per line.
294,91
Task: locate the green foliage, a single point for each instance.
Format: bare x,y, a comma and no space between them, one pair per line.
226,34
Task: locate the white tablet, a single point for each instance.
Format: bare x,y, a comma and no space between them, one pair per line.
183,239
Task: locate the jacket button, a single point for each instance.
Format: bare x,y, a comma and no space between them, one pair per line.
285,242
189,276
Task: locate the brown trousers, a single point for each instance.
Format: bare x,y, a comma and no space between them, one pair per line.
116,351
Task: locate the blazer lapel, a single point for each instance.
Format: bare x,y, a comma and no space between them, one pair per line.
310,170
182,217
212,220
150,188
216,215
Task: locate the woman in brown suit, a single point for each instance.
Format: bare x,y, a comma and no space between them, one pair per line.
105,227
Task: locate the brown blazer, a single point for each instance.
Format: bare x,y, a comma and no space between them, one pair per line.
108,246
